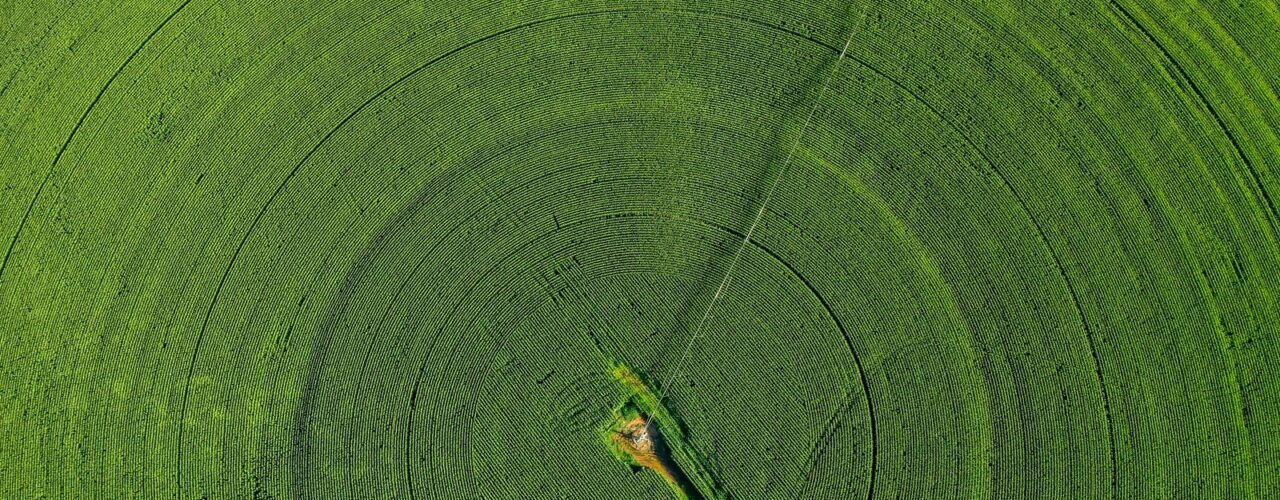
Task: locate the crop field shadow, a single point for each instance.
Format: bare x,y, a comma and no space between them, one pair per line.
788,131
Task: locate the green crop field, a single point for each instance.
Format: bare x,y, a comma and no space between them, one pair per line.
642,249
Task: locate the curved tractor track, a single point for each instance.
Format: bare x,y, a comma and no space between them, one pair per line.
401,249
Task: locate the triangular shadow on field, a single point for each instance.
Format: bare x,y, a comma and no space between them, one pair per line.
788,131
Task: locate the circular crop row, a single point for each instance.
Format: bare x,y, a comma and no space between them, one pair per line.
393,249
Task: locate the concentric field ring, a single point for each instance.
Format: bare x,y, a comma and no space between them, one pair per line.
395,249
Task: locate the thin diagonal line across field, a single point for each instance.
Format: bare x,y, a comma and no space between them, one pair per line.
746,240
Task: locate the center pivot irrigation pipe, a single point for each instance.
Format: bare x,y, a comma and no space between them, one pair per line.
642,433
